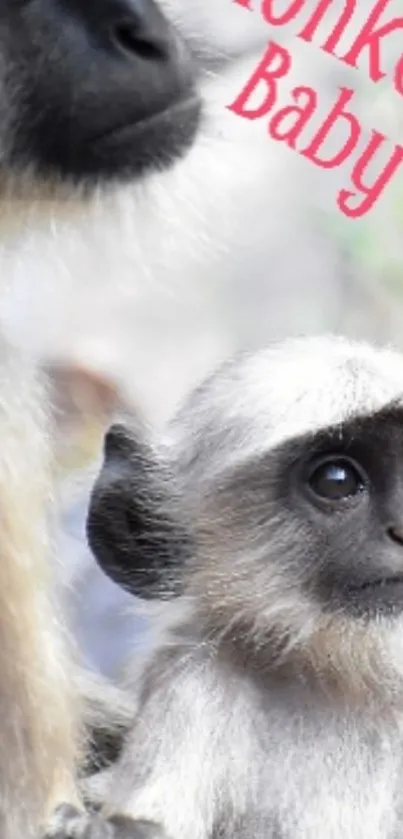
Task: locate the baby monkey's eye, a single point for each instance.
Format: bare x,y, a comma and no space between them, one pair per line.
336,478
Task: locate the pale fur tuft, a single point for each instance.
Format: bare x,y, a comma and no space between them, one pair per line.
37,702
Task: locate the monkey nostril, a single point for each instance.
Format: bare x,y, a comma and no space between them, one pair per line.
129,38
396,534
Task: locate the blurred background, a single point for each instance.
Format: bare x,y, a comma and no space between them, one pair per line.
240,245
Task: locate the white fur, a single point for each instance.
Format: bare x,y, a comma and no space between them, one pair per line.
296,387
182,254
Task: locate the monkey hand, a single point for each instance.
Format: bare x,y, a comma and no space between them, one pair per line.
71,823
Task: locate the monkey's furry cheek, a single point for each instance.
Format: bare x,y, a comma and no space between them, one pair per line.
70,823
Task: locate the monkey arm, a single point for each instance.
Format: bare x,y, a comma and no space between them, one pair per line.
107,713
107,716
70,823
176,767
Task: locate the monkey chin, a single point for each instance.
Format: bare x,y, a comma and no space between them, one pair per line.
162,139
355,659
124,153
377,597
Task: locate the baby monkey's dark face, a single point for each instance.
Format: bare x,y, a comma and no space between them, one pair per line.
340,501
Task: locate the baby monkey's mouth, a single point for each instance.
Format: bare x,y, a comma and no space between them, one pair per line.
381,595
370,596
378,583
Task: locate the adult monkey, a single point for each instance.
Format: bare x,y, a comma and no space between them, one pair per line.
273,506
91,94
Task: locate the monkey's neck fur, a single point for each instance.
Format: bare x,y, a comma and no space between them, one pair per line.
352,662
300,741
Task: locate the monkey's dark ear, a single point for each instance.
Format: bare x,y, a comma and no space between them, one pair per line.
132,528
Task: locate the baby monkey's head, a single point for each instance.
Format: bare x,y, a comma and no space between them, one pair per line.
274,501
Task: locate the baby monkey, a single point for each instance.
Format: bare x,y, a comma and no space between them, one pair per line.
271,515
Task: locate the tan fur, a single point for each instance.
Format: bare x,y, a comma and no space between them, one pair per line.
37,708
353,660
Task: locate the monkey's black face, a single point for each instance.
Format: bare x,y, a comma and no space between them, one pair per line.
347,495
92,90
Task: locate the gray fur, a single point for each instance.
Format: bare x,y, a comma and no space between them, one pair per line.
274,707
